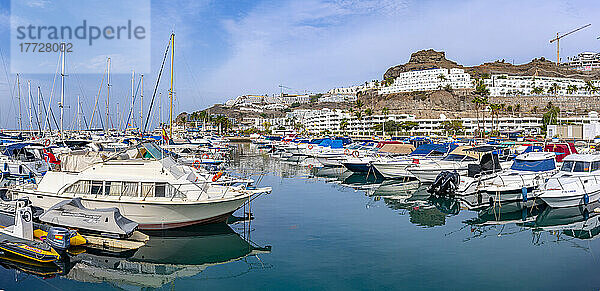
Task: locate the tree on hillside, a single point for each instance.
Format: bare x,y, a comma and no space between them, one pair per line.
550,116
368,112
480,100
589,87
537,90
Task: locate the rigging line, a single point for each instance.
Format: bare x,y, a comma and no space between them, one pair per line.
53,117
84,119
7,81
52,90
131,109
157,83
96,104
46,112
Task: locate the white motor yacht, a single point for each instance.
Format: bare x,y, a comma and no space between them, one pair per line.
527,173
577,182
146,185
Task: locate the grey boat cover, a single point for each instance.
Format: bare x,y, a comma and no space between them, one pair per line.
71,213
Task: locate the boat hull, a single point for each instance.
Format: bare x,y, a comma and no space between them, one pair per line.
152,215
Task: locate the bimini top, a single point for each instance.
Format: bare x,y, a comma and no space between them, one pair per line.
582,158
425,149
10,149
534,162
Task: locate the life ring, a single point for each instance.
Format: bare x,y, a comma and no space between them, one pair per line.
310,166
196,164
310,146
46,142
205,156
217,176
347,152
355,154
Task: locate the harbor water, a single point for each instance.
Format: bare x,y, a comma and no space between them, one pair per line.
328,229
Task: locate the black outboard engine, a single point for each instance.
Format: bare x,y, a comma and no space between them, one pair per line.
445,183
59,238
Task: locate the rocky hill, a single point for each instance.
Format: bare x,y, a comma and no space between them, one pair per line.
426,59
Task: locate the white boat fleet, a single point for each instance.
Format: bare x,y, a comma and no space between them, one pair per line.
502,172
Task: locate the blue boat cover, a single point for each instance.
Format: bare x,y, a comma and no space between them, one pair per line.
533,149
425,149
337,144
8,151
533,166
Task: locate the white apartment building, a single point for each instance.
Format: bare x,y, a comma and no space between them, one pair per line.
352,90
428,80
508,85
585,61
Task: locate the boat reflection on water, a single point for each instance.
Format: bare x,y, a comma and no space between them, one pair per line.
410,196
506,213
580,222
167,256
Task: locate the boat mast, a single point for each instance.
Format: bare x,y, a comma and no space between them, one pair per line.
39,117
171,90
61,104
130,116
108,95
141,104
29,106
78,114
19,99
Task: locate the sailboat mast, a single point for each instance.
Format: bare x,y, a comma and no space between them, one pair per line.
130,116
61,105
141,103
39,118
78,114
108,95
171,90
29,106
19,99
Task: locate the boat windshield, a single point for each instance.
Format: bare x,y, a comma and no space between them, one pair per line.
533,166
458,158
165,159
575,166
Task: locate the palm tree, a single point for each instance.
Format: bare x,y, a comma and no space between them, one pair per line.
385,112
537,90
358,114
554,89
589,86
481,92
343,124
572,89
368,112
266,125
358,103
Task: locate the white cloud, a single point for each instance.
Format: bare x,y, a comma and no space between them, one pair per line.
316,45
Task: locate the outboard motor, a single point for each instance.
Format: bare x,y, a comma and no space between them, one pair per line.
445,183
59,238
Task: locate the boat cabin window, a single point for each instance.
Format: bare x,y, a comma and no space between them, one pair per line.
581,167
595,165
121,188
575,166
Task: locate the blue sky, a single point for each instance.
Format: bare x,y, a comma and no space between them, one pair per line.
230,48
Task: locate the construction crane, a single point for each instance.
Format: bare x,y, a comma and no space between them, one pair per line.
283,87
557,39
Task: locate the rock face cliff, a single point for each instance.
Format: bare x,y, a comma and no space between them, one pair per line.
430,58
457,103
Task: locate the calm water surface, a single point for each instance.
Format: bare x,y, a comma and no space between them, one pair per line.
327,229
